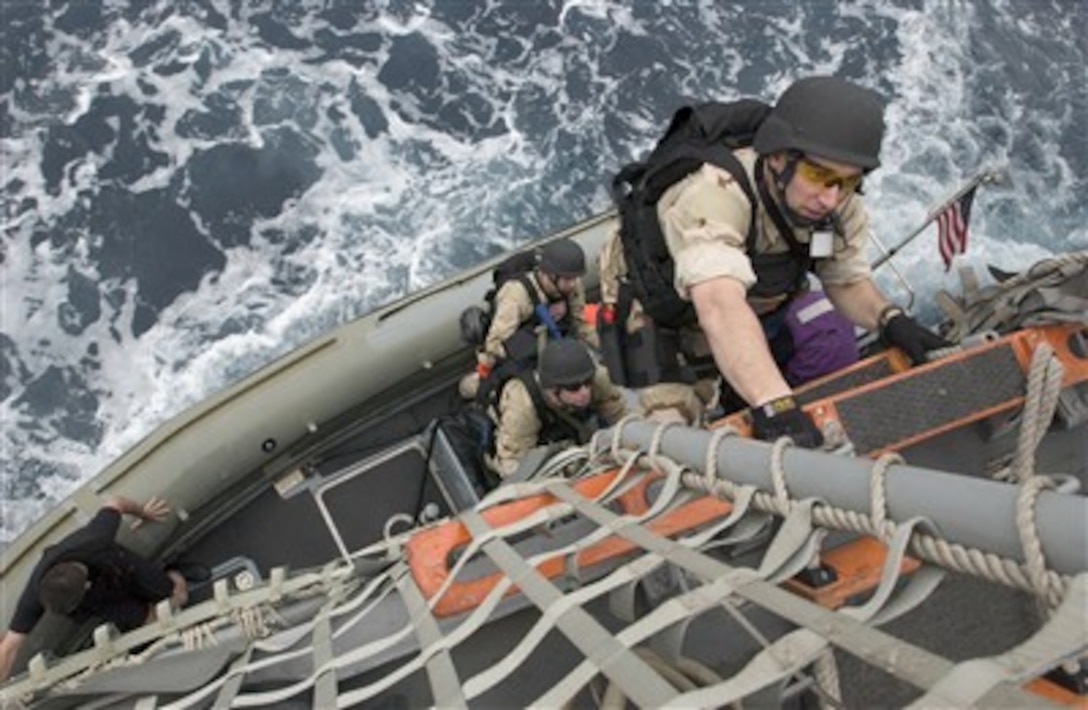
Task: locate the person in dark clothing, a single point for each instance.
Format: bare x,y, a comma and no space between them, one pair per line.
88,574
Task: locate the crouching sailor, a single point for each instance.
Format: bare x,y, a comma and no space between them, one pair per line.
566,398
536,297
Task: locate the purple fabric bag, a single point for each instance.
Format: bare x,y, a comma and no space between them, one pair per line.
823,340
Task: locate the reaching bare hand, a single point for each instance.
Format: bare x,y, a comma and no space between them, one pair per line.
154,510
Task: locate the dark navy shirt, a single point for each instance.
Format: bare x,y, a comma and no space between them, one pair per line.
123,584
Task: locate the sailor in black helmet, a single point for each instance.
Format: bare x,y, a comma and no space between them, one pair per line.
566,398
741,242
546,302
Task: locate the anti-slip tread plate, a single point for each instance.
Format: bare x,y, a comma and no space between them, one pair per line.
872,371
931,400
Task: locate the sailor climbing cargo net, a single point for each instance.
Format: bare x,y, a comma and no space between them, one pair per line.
625,582
662,566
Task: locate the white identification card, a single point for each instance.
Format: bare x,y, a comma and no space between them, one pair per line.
820,246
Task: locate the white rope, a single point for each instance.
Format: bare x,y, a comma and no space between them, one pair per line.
878,500
199,636
617,434
1046,590
655,440
256,622
778,475
710,467
1040,402
930,548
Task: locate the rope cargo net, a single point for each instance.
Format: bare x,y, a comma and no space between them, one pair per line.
630,531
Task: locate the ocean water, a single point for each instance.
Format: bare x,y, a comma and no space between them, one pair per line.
192,187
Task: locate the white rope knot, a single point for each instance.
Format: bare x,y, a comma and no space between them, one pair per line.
1040,401
883,529
251,622
778,474
655,441
617,435
200,636
1046,586
710,470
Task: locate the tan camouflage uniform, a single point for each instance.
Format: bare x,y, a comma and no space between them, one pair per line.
705,219
518,426
513,307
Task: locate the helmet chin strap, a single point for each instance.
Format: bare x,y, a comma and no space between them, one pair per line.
548,285
781,180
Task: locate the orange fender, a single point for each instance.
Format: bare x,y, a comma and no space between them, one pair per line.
429,551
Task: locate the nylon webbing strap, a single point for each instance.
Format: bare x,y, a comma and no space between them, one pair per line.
622,602
600,647
375,648
373,592
701,565
783,658
627,575
662,617
675,611
914,665
619,577
972,682
881,606
794,546
235,675
325,686
539,517
445,683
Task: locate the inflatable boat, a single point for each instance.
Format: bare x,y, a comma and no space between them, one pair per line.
934,553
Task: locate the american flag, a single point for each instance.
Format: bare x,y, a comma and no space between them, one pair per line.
952,227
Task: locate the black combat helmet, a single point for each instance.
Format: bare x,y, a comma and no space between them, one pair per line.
565,362
562,258
828,117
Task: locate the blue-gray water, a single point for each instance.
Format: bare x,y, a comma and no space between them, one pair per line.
191,187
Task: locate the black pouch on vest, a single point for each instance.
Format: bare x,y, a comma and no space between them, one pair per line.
521,347
612,350
652,356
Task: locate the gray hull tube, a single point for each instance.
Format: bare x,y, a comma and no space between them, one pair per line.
976,513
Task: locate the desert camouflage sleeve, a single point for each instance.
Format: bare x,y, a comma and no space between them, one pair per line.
513,306
517,429
705,218
607,398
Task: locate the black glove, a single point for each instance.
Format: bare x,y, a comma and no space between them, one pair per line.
904,332
782,417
